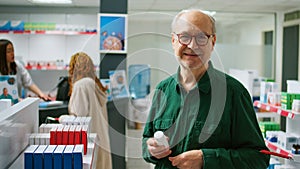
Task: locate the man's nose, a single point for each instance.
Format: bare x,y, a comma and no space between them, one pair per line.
193,43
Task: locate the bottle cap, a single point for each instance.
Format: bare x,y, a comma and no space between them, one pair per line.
158,135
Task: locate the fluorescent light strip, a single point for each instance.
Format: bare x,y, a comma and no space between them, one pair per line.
51,1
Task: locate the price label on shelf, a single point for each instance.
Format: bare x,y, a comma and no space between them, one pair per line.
290,115
278,111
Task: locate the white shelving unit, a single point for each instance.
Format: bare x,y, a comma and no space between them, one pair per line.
75,32
16,123
292,127
49,32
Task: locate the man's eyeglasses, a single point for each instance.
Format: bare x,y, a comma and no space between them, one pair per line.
186,39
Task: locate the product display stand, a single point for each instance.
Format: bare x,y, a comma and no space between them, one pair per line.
16,123
88,159
292,127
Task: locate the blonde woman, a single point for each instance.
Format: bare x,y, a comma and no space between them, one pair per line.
88,98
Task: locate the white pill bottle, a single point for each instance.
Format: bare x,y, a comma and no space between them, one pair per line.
161,139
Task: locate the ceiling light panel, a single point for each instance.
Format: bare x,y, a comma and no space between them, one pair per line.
51,1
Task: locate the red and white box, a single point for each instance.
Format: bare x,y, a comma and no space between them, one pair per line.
65,135
59,132
84,137
53,135
77,135
72,135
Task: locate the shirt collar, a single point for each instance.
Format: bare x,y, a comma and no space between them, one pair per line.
203,84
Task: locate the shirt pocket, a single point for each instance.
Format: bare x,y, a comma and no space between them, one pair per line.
211,135
163,125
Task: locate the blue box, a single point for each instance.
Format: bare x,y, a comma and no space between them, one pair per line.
68,157
5,25
17,25
58,157
48,157
28,156
38,156
77,156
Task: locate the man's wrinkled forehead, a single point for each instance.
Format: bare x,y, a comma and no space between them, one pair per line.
193,26
195,20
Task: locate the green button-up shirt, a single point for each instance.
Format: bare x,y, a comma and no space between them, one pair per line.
216,116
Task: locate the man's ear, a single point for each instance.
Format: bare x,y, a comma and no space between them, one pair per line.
214,40
173,40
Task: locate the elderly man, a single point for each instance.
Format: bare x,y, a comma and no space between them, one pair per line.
206,115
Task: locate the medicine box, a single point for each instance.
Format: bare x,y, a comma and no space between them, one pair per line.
78,156
48,156
58,157
286,140
293,86
77,137
65,135
265,88
53,136
17,25
82,120
287,100
68,120
45,128
77,121
32,139
39,139
268,126
28,156
71,134
38,156
59,135
68,157
84,141
5,25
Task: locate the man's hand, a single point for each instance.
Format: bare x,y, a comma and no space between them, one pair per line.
156,150
188,160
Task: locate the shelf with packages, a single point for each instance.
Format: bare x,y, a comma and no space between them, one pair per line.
292,124
49,32
292,160
87,159
272,108
17,123
276,148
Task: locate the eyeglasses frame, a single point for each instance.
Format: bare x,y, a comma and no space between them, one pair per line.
207,35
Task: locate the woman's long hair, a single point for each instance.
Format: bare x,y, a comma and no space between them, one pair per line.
3,61
81,66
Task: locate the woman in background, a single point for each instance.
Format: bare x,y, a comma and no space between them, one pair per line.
88,98
10,66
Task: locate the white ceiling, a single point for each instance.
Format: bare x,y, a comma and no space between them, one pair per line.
176,5
227,10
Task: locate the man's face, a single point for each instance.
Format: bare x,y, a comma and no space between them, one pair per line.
193,55
5,92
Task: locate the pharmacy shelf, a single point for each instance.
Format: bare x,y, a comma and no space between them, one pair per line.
55,68
267,114
286,113
53,32
87,160
275,147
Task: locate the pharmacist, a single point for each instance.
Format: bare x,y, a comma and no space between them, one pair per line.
10,66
